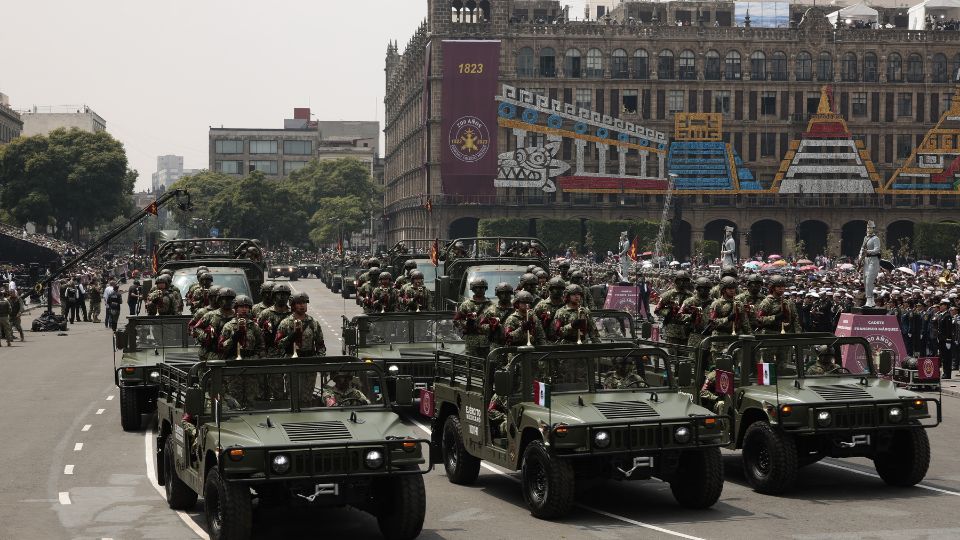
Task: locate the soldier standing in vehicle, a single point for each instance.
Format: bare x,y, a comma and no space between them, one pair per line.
300,335
241,337
162,300
576,278
547,308
528,282
415,296
543,287
564,268
212,304
668,309
384,298
213,322
404,278
751,298
694,313
266,299
727,313
492,319
522,326
366,290
776,313
270,319
198,291
727,271
467,319
572,322
174,290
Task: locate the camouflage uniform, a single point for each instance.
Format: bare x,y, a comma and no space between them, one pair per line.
384,299
821,369
366,290
164,302
96,298
722,314
749,301
769,315
269,321
411,296
17,306
251,340
566,327
516,329
258,309
335,397
668,309
497,415
6,332
545,311
624,379
695,317
309,342
467,320
710,399
196,298
209,329
491,322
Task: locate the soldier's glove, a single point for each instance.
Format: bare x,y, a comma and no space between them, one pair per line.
471,324
493,322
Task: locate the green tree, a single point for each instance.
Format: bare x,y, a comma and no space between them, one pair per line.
260,208
559,234
503,227
336,216
345,177
203,188
936,240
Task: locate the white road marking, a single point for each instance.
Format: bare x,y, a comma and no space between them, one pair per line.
64,497
86,427
100,411
68,469
865,473
149,456
78,447
109,398
634,522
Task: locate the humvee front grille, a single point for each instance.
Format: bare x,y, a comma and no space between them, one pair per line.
855,417
316,431
619,410
840,392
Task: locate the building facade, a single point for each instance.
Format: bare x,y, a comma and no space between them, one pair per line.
642,65
11,125
43,120
169,170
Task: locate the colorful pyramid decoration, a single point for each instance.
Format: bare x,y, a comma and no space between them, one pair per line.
934,166
701,161
827,159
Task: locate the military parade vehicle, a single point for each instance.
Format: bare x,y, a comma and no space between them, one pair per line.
563,420
234,262
417,250
494,259
146,343
287,270
307,432
794,399
309,268
348,286
402,343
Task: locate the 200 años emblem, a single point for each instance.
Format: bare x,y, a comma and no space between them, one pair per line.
469,139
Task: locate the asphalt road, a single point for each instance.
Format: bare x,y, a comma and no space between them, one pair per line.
67,470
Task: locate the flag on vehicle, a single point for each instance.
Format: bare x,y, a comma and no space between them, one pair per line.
635,248
152,208
541,393
340,247
155,259
435,252
724,383
766,373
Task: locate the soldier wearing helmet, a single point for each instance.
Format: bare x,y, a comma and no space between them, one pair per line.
572,322
172,287
365,292
543,290
162,300
695,311
266,299
300,329
624,375
727,313
213,322
528,282
404,278
545,310
196,294
383,298
492,319
457,251
270,319
212,298
776,312
415,296
564,268
241,337
576,277
751,298
668,309
522,326
727,271
467,319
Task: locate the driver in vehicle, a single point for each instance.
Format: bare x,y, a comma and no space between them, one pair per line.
624,375
342,393
825,364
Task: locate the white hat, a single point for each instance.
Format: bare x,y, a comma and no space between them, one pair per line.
728,228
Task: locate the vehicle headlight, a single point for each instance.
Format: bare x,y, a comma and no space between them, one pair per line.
374,459
824,418
682,434
601,439
394,370
280,463
894,414
154,376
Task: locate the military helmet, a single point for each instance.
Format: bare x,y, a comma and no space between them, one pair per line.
458,244
537,270
563,264
478,283
703,282
243,300
571,289
164,278
531,268
227,292
778,281
416,274
728,271
206,276
523,297
374,271
503,288
384,276
528,280
281,288
166,272
410,264
541,274
576,276
299,298
214,291
267,287
681,275
372,262
202,269
556,283
728,282
755,278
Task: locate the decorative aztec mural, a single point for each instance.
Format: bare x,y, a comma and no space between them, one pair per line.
934,166
701,160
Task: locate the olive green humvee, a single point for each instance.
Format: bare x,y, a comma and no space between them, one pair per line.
563,427
850,410
273,429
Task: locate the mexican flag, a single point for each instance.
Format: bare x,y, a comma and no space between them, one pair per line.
541,393
766,373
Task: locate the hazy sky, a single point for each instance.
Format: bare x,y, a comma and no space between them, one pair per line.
162,72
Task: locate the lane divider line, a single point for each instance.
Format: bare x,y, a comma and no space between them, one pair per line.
86,427
64,497
865,473
110,398
78,447
100,411
149,455
68,469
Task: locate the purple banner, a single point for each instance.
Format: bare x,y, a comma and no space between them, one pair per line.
624,298
469,112
882,331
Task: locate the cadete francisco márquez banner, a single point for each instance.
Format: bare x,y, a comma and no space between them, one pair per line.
469,111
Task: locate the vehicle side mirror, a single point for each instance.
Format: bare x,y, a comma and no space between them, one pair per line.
503,383
193,402
725,362
350,336
646,330
121,339
886,362
404,391
684,374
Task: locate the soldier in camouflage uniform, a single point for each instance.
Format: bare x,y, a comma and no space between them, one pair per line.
522,326
384,298
728,271
241,331
270,319
162,299
404,278
195,297
777,314
727,313
528,282
212,303
213,322
573,322
174,289
492,318
624,375
712,400
694,313
826,363
668,309
6,331
416,297
497,414
342,393
301,334
266,299
366,290
751,298
467,319
576,277
96,298
543,286
545,310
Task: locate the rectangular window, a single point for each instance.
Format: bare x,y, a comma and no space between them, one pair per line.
229,167
768,144
228,146
721,101
263,147
768,103
904,146
290,166
675,101
584,98
630,102
904,104
859,104
264,166
299,148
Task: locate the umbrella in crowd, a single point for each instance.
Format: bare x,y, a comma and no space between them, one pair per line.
906,270
774,257
808,268
752,265
780,263
804,262
846,267
924,263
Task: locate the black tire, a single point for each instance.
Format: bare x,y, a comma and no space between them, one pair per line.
130,418
699,479
227,507
179,494
294,278
462,468
548,483
769,459
906,462
403,507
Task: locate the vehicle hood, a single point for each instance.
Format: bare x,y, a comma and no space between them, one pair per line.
828,390
252,430
565,408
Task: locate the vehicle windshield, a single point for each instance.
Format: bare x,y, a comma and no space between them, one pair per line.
613,327
387,331
160,334
184,278
813,360
626,371
425,331
494,274
429,273
336,385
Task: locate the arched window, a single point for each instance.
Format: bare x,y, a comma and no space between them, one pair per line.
665,65
594,64
731,66
894,68
871,67
548,62
778,66
687,66
940,68
848,70
641,64
914,68
618,64
758,66
571,64
955,67
711,70
525,64
804,66
825,67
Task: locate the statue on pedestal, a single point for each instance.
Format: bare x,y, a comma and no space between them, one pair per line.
624,256
727,258
870,260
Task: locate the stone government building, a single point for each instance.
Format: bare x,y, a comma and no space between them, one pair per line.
652,65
